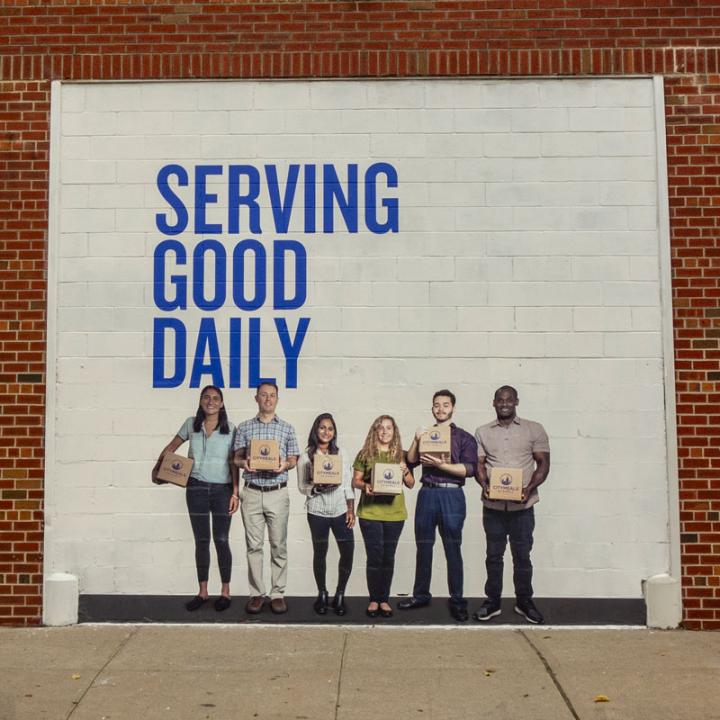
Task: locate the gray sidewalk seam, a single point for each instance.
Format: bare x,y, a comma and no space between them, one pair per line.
340,674
120,646
552,675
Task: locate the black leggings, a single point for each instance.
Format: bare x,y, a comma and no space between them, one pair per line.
320,530
203,500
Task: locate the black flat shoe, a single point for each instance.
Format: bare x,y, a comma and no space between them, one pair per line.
222,603
372,613
196,603
338,603
386,613
320,606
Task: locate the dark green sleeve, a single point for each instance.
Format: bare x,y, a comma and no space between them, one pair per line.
360,464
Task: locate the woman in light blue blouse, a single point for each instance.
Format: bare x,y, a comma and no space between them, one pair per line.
212,490
329,507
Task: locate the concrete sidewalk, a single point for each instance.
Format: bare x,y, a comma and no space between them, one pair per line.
226,672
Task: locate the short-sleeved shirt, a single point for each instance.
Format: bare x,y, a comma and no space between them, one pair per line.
277,429
379,507
513,447
211,455
333,502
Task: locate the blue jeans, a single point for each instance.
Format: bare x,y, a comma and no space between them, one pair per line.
206,500
381,539
518,526
444,509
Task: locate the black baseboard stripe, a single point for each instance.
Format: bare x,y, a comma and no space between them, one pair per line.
171,609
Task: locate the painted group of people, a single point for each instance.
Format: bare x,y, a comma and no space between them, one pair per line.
215,491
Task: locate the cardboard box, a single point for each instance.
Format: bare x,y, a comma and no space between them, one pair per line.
174,469
264,455
435,441
387,479
505,484
327,469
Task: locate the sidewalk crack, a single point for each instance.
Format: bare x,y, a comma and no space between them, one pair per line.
340,674
122,644
552,675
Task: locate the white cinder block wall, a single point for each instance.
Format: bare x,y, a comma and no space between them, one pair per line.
527,253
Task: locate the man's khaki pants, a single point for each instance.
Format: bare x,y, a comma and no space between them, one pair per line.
261,509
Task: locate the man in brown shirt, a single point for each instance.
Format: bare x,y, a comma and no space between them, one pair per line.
510,442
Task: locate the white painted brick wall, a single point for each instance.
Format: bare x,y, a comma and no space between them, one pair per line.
527,254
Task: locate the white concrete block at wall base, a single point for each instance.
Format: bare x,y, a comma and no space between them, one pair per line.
61,599
663,598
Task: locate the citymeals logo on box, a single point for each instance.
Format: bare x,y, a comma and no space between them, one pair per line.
264,450
505,479
388,474
327,466
176,466
435,435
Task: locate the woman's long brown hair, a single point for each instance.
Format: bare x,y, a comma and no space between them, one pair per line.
370,447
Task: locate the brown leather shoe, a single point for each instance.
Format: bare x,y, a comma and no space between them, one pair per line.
278,606
255,605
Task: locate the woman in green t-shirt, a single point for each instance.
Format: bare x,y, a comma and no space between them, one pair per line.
381,516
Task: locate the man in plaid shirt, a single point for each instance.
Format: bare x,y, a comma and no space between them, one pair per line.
264,499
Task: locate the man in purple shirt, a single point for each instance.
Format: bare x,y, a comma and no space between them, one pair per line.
441,505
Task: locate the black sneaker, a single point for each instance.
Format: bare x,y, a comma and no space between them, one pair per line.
489,609
527,609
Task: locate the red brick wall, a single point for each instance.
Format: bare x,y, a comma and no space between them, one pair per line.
693,124
24,133
42,40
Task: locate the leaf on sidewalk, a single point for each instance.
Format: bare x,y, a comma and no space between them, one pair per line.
489,671
75,676
601,698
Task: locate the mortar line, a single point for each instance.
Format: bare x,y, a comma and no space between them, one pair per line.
340,674
122,644
552,675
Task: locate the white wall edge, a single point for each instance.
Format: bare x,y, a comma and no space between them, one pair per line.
51,325
665,532
671,438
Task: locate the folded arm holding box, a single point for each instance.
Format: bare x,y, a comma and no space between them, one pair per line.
455,456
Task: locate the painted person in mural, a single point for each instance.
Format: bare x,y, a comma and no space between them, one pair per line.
325,479
381,516
266,447
441,503
212,490
513,444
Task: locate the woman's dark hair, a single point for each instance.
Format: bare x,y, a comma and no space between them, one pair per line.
314,440
222,415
